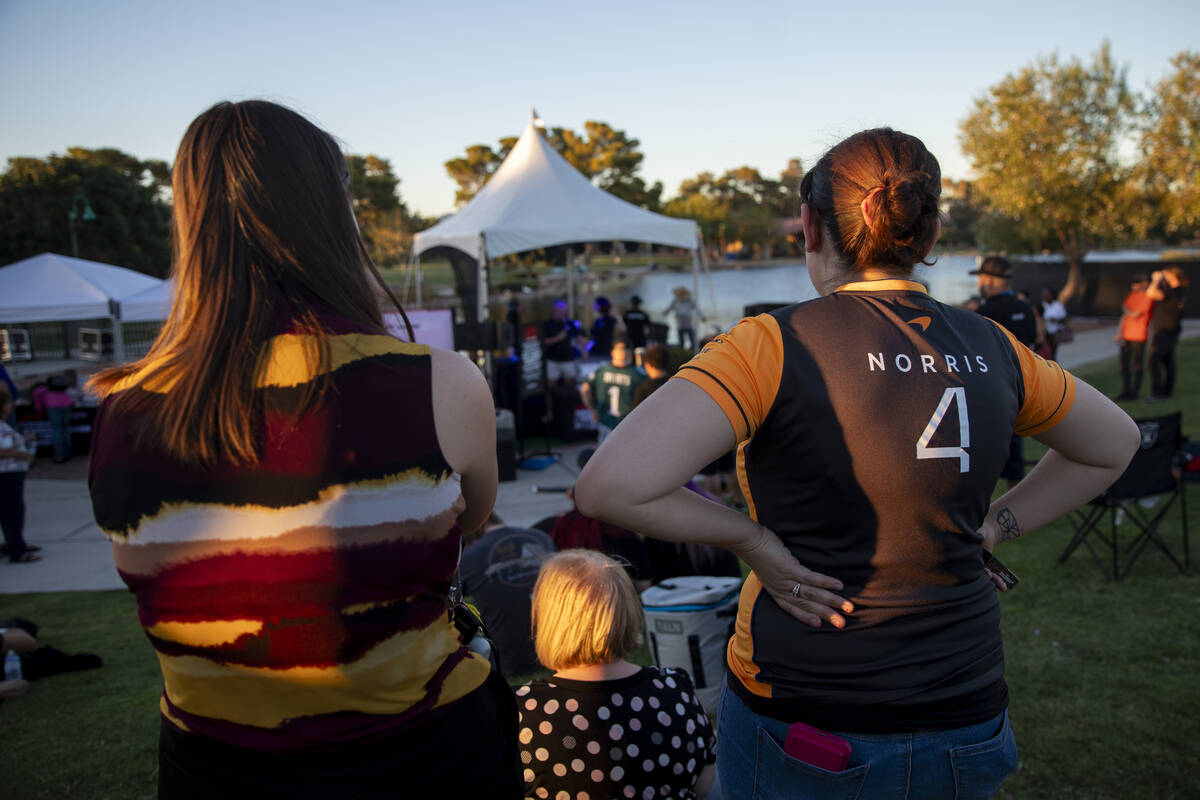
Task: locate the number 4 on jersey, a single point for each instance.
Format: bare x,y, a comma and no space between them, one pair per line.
954,394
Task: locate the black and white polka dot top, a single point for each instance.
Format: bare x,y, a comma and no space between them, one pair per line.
644,736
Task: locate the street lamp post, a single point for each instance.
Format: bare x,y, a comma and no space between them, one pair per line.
87,215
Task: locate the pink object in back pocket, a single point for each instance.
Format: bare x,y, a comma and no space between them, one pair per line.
815,746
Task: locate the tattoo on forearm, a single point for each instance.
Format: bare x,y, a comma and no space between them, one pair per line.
1007,522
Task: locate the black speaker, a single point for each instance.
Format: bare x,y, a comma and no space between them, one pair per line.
506,454
475,336
656,333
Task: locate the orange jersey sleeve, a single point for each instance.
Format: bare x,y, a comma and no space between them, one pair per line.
1049,390
741,370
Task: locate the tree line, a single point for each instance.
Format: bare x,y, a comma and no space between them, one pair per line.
1065,157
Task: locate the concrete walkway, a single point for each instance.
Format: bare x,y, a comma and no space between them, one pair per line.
75,556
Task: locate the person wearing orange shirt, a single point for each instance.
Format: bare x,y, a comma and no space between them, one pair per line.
1131,336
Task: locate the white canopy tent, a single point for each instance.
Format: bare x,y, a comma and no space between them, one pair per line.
152,304
54,288
536,199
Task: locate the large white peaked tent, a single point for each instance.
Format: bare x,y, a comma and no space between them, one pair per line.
537,199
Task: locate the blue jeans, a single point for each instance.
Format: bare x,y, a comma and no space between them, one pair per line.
60,431
960,764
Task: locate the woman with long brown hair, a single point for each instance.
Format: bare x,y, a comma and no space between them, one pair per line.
285,486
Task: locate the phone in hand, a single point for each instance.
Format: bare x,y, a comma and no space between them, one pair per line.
817,747
1004,573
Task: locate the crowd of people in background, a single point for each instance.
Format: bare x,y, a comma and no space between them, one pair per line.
567,344
1147,332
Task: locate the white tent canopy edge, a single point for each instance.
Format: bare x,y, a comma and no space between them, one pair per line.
54,288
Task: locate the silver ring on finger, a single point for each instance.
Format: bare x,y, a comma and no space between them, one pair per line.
796,591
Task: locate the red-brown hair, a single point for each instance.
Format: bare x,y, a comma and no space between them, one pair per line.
262,226
904,221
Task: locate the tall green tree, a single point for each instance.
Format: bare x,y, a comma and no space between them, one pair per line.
960,214
384,219
740,205
128,197
1043,144
610,159
473,170
1170,142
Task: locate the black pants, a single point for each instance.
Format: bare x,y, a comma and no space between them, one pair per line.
467,751
12,512
1162,362
1133,355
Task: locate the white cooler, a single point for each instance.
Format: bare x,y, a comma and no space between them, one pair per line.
689,620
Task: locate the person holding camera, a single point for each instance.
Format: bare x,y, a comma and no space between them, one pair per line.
1167,290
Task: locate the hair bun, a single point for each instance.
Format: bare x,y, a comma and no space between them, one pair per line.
905,195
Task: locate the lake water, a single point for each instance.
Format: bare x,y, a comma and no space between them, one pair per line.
732,290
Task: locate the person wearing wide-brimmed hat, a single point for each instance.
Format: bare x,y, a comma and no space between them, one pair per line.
684,306
1002,305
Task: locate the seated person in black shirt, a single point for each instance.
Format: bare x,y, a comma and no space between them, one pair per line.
499,569
656,361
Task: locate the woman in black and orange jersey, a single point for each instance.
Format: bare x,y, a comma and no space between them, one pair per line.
871,424
285,486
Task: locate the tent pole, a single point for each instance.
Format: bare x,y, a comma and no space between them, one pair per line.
114,309
481,288
712,294
482,311
420,279
409,266
570,283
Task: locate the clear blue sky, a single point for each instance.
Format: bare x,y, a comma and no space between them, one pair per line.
703,85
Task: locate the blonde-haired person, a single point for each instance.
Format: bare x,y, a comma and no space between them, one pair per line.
601,727
285,486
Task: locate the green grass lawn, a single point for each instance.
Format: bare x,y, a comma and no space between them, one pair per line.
1105,700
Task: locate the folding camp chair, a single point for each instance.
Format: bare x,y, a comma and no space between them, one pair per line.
1153,472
